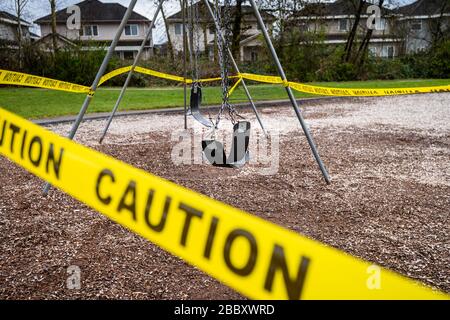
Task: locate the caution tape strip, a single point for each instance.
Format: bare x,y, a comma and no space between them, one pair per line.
330,91
23,79
257,258
344,92
261,78
114,74
156,74
234,87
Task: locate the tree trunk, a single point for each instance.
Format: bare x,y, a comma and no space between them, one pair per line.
282,38
19,31
205,38
236,40
53,14
216,40
362,51
437,29
352,35
170,47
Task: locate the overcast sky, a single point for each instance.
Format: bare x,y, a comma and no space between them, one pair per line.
40,8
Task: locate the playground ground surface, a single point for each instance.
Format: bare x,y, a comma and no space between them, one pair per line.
388,202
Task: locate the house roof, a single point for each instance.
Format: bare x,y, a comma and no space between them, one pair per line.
249,38
96,11
204,15
11,19
59,36
333,9
244,39
34,35
426,8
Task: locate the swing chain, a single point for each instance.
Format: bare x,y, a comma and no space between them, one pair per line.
194,39
224,59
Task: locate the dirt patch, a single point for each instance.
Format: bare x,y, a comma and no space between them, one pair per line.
388,203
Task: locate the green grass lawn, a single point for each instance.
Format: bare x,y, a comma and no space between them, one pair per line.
39,103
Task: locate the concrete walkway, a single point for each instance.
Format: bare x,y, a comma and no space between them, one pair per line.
105,115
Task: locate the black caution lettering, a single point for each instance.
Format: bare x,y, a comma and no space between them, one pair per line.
159,227
294,287
36,142
190,213
105,173
250,265
131,206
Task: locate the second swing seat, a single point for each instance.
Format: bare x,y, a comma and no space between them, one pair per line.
195,103
214,151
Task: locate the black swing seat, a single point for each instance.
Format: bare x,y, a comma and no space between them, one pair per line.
196,101
239,156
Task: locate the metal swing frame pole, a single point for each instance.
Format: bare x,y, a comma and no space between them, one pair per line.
183,12
282,74
236,67
98,77
148,37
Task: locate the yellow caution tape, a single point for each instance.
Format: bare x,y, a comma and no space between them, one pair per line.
261,78
114,74
328,91
257,258
156,74
23,79
205,80
146,71
159,74
234,87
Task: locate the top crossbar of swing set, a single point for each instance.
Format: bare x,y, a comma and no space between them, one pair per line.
113,46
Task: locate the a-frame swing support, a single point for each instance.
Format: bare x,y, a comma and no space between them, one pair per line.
148,37
138,57
113,46
100,73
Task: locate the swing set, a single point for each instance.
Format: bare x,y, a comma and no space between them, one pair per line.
213,150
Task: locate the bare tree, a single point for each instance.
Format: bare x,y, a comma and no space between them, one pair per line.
20,9
237,23
353,32
53,25
170,47
437,26
364,46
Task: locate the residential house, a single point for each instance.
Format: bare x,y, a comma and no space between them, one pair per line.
424,21
251,42
99,24
334,21
9,27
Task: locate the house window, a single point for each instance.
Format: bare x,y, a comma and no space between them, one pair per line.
178,28
373,51
416,25
343,25
380,24
254,56
131,30
89,31
212,30
388,52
